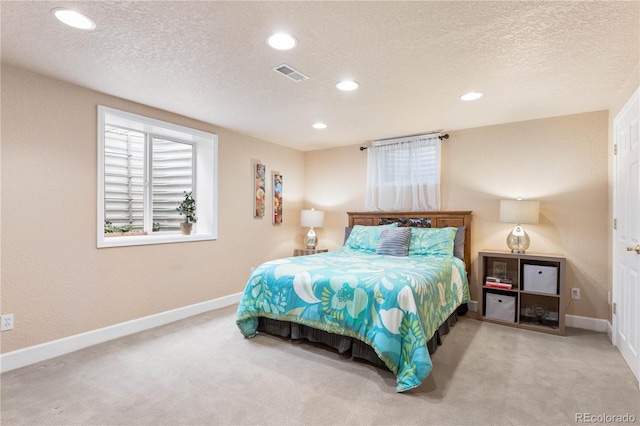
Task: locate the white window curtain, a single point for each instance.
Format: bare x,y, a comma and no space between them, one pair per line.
404,174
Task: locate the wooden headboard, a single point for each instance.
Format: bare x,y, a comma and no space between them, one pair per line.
436,219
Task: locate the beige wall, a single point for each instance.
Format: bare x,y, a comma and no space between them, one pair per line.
54,279
57,283
560,161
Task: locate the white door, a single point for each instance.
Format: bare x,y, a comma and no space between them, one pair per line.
626,284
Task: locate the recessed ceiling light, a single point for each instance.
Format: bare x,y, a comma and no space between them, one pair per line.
347,85
73,19
471,96
282,41
319,126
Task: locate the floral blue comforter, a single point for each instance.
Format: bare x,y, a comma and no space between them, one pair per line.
394,304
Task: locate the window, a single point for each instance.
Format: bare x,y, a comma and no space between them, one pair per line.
404,164
404,174
144,168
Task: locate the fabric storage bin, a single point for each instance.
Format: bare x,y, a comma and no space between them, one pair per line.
540,279
500,307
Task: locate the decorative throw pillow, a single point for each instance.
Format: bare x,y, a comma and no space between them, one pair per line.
458,243
394,242
432,241
347,232
365,238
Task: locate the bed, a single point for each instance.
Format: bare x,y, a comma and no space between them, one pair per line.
388,295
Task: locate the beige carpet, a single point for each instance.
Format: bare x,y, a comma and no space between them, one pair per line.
201,371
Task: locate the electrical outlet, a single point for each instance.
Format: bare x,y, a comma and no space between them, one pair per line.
575,293
6,322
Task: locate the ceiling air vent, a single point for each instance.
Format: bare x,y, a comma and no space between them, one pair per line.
289,72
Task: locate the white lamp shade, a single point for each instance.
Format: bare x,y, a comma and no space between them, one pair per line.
519,211
312,218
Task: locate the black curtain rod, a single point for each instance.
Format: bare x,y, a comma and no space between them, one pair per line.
445,136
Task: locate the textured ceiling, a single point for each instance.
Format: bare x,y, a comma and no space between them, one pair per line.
210,61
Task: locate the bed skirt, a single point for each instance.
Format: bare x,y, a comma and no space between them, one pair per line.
343,344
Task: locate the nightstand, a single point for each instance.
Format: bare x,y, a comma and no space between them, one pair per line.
305,252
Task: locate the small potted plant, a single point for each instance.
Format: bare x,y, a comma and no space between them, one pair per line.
187,207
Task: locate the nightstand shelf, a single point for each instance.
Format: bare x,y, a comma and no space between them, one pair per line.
522,290
306,252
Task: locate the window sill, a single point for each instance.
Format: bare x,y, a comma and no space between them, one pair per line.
139,240
123,234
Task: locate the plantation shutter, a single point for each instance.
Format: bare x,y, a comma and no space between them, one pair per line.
171,174
124,177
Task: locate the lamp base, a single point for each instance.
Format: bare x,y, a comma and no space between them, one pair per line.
518,240
311,240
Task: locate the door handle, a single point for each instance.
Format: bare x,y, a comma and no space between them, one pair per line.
636,249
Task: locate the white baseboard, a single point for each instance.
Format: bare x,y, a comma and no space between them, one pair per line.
42,352
586,323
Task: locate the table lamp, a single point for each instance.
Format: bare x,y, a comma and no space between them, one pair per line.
313,219
519,212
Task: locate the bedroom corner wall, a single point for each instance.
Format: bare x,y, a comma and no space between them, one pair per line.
54,279
560,161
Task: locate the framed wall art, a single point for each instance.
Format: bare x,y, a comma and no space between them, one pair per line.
259,192
277,198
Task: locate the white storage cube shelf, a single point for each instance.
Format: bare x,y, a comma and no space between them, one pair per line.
500,307
540,279
533,297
